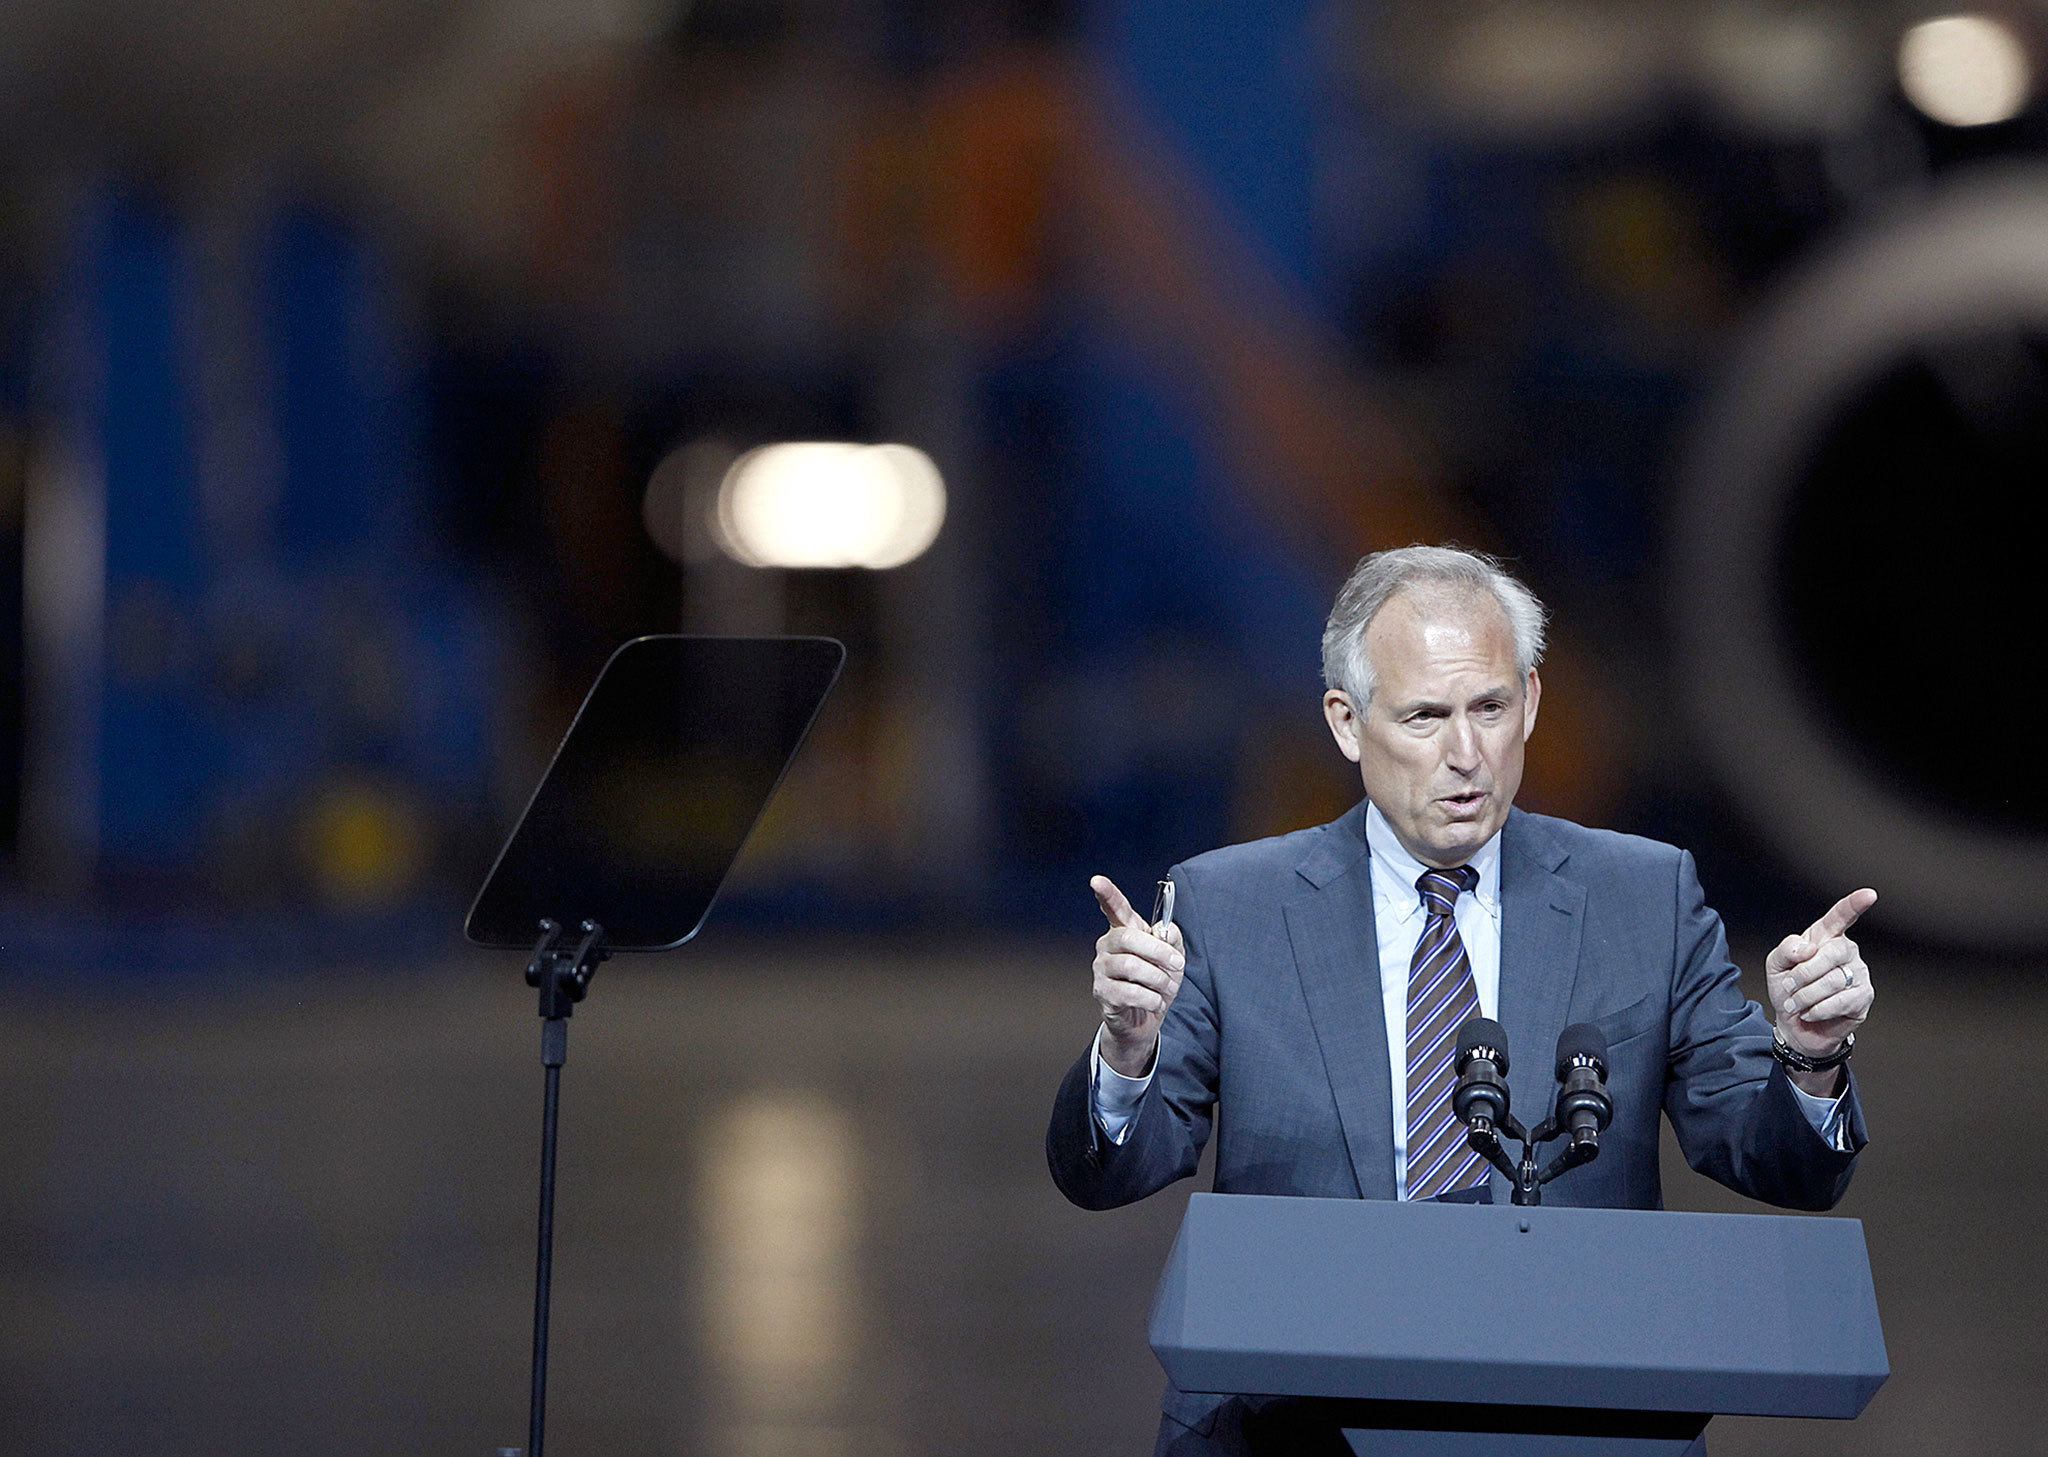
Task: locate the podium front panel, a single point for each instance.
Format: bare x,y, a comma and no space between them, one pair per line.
1768,1315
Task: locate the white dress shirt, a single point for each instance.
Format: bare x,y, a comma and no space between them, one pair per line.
1398,917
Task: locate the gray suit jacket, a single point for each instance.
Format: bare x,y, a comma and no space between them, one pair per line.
1278,1037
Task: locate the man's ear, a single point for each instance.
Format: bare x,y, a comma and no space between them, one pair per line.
1342,721
1529,699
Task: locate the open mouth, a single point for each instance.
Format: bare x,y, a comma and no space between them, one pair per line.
1465,800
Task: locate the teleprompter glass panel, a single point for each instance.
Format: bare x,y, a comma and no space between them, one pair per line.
656,786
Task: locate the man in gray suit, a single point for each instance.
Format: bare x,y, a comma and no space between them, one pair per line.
1308,992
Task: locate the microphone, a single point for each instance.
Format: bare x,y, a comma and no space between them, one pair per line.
1481,1096
1583,1107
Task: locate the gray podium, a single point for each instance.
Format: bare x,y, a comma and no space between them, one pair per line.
1464,1329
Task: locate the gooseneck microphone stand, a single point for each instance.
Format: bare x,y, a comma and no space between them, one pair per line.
1481,1100
1527,1179
561,971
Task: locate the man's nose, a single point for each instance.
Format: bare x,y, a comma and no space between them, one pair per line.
1461,745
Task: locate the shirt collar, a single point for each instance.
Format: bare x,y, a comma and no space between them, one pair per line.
1394,893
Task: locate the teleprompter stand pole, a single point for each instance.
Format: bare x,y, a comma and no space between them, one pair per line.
677,722
561,970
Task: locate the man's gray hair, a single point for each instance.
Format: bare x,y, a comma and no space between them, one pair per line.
1378,577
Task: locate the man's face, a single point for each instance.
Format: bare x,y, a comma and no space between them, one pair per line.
1440,745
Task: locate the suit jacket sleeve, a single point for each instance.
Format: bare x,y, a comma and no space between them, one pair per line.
1734,1110
1173,1118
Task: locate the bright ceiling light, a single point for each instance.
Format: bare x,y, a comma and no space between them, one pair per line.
1964,70
826,504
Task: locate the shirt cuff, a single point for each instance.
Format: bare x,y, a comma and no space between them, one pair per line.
1829,1116
1116,1097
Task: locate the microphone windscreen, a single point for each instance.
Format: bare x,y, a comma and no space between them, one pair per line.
1482,1032
1581,1039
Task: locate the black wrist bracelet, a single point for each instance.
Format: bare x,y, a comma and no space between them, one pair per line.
1799,1062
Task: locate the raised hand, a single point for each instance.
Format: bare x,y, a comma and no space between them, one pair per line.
1819,987
1137,975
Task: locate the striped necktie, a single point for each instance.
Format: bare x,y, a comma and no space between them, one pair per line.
1441,997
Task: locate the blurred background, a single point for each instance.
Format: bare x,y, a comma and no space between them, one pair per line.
370,369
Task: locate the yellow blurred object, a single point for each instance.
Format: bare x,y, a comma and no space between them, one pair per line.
1641,241
364,844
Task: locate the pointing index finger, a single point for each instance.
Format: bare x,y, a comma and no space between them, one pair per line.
1842,915
1116,906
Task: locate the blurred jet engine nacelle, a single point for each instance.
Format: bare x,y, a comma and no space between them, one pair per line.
1855,581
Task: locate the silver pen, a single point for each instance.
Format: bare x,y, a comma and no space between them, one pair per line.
1162,908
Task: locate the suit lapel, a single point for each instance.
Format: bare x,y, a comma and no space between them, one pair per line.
1336,955
1541,917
